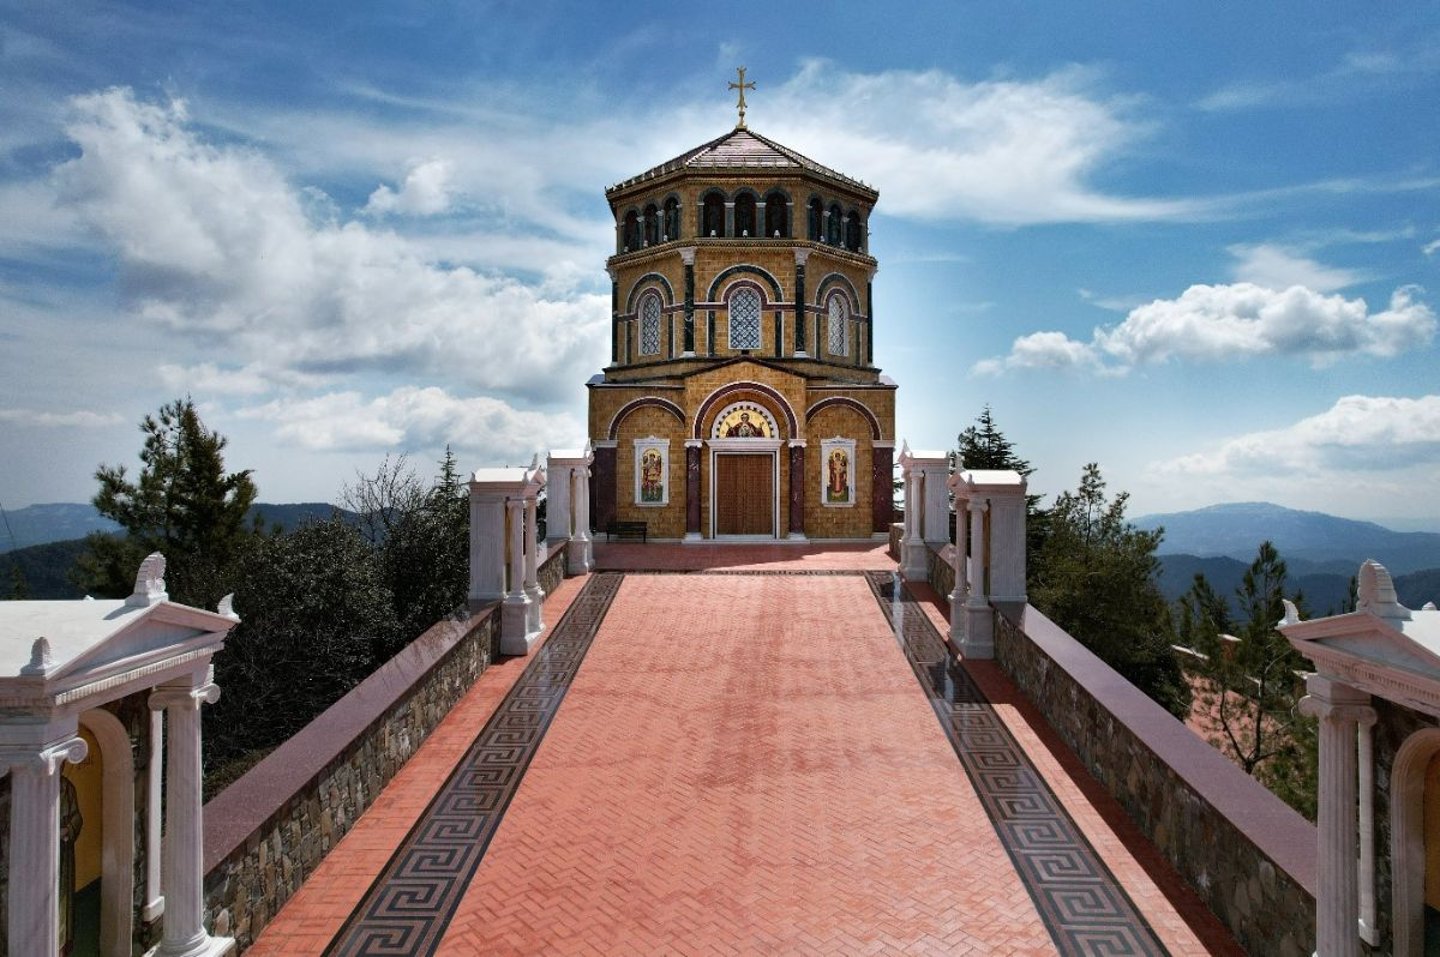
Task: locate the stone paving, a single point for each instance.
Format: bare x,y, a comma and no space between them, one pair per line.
742,760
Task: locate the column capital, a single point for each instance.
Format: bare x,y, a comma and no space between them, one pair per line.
977,504
802,253
1316,707
687,255
44,760
169,696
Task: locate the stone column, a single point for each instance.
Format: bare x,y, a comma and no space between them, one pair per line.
979,619
935,511
580,554
182,865
882,499
487,548
1341,709
687,256
615,326
34,905
533,591
730,218
602,484
912,548
801,255
870,322
692,490
514,609
959,595
797,490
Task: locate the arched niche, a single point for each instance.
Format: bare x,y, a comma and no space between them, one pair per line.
1407,839
117,850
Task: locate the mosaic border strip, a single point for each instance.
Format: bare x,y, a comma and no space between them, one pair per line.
409,905
1083,906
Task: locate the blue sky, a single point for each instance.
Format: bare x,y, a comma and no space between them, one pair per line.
1197,245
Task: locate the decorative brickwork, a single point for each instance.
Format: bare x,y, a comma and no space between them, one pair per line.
266,833
1249,856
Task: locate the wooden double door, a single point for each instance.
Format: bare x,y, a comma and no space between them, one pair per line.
745,493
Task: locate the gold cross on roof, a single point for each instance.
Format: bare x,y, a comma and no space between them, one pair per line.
742,86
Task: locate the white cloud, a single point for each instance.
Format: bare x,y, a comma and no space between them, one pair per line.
1276,267
425,192
413,417
208,378
83,419
997,151
1431,248
1357,434
215,244
1239,321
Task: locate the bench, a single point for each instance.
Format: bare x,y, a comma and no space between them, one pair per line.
623,530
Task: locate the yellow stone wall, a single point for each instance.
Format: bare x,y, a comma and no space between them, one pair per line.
822,521
667,521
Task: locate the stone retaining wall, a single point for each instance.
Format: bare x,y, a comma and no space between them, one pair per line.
266,833
1251,858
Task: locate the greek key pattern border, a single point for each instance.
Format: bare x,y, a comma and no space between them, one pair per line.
411,902
1081,903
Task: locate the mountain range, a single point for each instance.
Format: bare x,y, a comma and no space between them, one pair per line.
63,521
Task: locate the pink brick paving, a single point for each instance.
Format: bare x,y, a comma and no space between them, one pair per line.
729,776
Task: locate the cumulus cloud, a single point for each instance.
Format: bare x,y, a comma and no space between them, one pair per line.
1238,321
425,192
214,244
998,151
1276,267
1357,434
83,419
413,417
256,378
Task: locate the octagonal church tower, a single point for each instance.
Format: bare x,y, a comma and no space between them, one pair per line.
742,399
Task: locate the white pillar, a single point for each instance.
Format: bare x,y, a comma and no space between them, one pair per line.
960,594
487,547
1340,709
979,619
912,546
182,867
154,904
935,512
579,556
533,591
514,610
34,904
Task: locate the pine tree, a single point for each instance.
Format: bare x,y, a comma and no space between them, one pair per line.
1095,577
984,446
183,504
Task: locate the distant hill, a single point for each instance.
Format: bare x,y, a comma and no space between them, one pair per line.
1310,542
1325,593
44,569
63,521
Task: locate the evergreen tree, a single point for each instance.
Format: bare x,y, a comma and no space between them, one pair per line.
1254,687
1095,577
183,503
984,446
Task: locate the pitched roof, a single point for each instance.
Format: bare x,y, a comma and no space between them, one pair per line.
742,149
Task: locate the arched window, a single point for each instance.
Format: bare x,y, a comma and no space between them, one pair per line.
672,220
630,234
713,221
816,216
745,214
650,325
777,219
839,337
852,230
832,225
745,318
652,225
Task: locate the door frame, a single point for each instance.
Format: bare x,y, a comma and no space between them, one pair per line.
771,447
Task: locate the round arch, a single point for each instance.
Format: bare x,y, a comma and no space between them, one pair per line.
745,269
639,286
1407,840
829,282
734,389
845,401
613,432
117,828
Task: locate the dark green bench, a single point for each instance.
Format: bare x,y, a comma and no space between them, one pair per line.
624,530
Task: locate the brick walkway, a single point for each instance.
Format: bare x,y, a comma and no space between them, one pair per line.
742,763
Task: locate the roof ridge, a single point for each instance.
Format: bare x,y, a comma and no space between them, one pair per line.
689,158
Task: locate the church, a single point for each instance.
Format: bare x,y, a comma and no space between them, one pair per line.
742,400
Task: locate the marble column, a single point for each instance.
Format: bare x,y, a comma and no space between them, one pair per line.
34,904
533,591
514,608
797,490
692,490
580,555
882,499
801,255
602,485
913,552
1341,710
979,619
959,595
182,864
687,256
